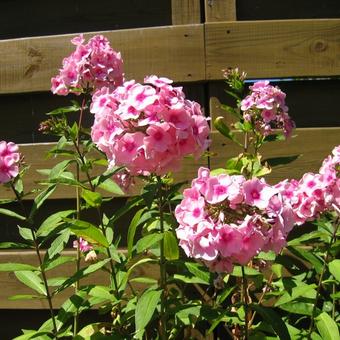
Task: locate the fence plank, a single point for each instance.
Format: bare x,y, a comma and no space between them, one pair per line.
173,51
313,144
35,156
220,10
185,12
287,48
11,286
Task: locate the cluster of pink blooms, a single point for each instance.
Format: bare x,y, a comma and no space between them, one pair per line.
265,108
226,220
84,246
9,161
91,66
315,193
148,128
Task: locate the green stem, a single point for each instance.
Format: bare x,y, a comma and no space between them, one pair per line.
162,263
37,250
311,326
245,303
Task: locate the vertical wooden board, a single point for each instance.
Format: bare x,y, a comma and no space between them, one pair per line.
287,48
185,12
220,10
173,51
312,144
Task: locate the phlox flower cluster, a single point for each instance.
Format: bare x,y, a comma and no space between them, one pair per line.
148,128
265,108
226,220
315,193
9,161
91,66
86,248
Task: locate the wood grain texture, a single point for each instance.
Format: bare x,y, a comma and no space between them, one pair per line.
11,286
220,10
287,48
313,144
35,156
176,52
185,12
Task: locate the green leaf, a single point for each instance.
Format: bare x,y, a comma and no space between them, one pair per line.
31,334
12,267
273,319
171,251
82,273
11,213
132,230
25,297
237,271
199,271
186,313
307,291
13,245
40,199
144,280
145,308
281,160
274,138
334,268
298,307
25,233
32,280
58,244
147,241
63,110
88,231
58,169
50,264
224,129
112,187
309,256
92,198
52,222
220,298
327,327
231,110
126,208
189,279
102,292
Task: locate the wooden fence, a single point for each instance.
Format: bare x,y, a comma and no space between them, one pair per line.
199,39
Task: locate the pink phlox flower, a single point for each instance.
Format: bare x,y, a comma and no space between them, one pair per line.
84,246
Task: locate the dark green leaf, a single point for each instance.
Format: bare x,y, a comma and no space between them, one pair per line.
274,138
281,160
309,256
189,279
147,241
297,307
302,290
237,271
127,207
272,319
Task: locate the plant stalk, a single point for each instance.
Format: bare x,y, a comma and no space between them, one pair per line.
162,263
311,326
37,250
245,303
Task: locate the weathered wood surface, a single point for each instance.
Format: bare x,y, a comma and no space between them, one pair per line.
312,144
35,156
28,64
185,12
220,10
287,48
10,285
